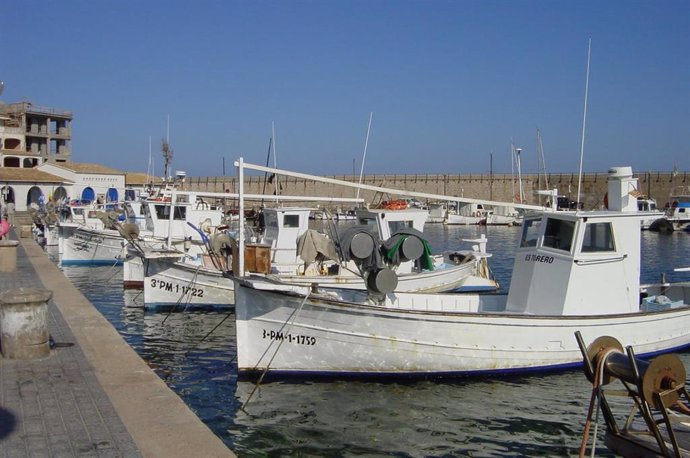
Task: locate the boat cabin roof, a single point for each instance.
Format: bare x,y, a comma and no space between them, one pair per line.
388,222
595,232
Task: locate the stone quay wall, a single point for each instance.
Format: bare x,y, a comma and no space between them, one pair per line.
499,187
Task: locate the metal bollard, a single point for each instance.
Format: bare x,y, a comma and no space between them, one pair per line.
24,323
25,232
8,255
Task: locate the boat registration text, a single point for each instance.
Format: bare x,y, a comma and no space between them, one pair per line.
175,288
290,338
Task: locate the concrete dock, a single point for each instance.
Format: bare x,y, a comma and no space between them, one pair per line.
93,396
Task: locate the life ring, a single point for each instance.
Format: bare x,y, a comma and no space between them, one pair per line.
394,205
477,214
517,198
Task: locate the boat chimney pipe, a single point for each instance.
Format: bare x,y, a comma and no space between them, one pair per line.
622,190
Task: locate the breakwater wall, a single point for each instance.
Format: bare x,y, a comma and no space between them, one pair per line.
499,187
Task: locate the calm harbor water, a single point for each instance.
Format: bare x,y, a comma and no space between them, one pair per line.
193,352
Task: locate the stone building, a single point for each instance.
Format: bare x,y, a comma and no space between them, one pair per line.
35,160
31,135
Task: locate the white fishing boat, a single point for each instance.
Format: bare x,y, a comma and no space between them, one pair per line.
182,284
648,205
468,214
183,228
450,271
282,253
76,215
437,212
504,216
573,271
678,208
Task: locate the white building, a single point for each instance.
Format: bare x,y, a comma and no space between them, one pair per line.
24,186
89,182
71,180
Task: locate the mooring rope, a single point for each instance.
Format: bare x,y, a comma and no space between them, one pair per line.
184,293
595,398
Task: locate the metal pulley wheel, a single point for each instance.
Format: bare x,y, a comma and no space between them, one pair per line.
665,372
596,349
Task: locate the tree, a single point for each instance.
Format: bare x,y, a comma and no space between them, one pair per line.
167,156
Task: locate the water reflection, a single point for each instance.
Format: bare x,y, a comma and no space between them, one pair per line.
517,416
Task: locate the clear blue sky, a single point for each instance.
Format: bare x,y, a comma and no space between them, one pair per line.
449,82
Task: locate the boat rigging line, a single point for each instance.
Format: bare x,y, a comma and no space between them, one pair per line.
294,313
184,293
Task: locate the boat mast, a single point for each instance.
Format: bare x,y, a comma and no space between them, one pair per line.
364,156
276,185
541,162
538,163
149,169
584,124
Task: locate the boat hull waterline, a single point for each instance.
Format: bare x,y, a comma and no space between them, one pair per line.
318,336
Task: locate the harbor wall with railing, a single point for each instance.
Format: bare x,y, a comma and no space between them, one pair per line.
498,187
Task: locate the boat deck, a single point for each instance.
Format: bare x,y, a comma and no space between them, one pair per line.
644,444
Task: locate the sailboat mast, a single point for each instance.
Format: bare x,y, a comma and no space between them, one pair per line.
538,164
512,168
491,176
519,169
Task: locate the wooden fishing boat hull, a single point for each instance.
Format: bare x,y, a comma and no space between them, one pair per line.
92,246
184,285
284,331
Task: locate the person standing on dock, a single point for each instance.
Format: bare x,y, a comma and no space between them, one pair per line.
10,213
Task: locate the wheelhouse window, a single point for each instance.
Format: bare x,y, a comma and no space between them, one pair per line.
291,221
396,226
598,237
163,212
369,222
559,234
530,232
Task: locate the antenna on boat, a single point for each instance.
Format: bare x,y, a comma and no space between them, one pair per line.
364,156
584,124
